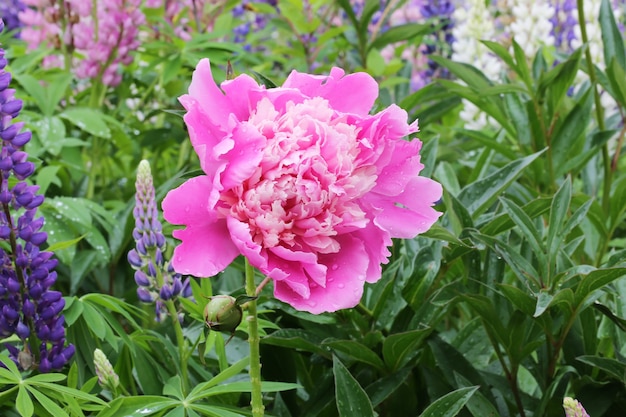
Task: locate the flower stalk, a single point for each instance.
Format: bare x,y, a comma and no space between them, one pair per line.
254,341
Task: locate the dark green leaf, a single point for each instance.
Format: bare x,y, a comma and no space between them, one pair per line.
450,404
611,366
478,196
596,280
356,351
399,348
612,37
296,339
351,399
383,388
558,213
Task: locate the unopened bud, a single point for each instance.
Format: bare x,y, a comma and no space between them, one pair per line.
222,313
573,408
106,375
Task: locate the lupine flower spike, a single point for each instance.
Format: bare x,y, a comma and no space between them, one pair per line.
107,378
573,408
30,309
156,278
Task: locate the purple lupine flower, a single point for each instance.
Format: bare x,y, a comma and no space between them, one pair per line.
155,277
9,10
251,21
438,12
564,22
30,309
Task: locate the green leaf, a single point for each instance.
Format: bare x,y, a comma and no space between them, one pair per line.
296,339
572,129
401,33
478,196
450,404
89,120
140,406
478,404
351,399
522,65
382,388
522,300
399,348
528,229
47,403
596,280
214,411
517,112
233,370
521,266
356,351
544,299
23,402
560,78
441,233
612,37
610,366
558,213
502,52
616,75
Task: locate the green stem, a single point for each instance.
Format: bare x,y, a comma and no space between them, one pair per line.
180,342
606,160
254,341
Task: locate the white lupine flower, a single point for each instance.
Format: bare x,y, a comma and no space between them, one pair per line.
531,27
473,24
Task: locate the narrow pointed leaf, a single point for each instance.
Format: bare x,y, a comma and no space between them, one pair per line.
350,397
450,404
478,196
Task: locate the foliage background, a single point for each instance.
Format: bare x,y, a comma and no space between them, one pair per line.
511,302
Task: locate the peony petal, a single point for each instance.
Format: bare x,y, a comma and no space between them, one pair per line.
240,235
214,104
188,204
354,93
344,281
239,92
245,156
403,166
376,241
205,249
410,213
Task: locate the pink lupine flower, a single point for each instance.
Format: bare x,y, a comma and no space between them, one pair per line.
302,181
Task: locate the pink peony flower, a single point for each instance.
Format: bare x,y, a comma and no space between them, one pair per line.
300,180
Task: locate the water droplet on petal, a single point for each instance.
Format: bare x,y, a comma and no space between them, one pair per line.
340,285
334,267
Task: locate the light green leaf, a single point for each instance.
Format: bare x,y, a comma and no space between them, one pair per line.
450,404
47,403
400,33
350,397
24,403
140,406
89,120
